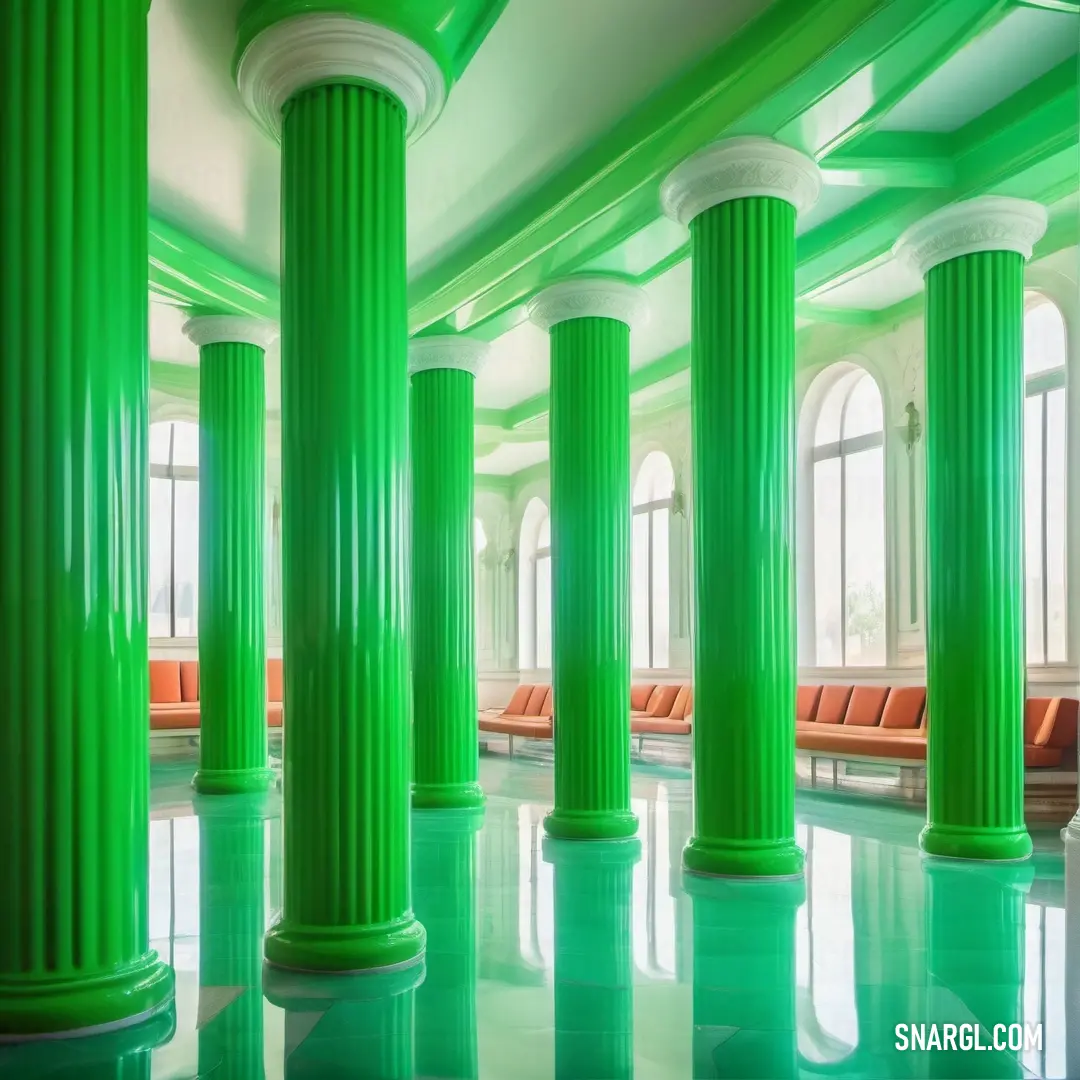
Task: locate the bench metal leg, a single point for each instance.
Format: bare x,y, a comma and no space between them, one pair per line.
510,739
834,764
813,771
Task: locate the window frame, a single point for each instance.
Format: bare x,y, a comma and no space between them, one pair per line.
650,509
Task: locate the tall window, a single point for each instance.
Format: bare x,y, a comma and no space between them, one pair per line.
849,523
1044,482
534,587
174,529
650,569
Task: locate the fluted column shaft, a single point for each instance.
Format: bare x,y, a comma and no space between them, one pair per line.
742,390
975,556
74,945
445,742
590,547
231,924
594,969
344,473
232,536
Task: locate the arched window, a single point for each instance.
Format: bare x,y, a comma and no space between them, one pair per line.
534,587
849,522
650,569
174,529
1044,482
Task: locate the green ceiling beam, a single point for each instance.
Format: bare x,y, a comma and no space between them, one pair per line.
186,273
1071,7
930,42
610,192
671,364
898,159
526,411
837,316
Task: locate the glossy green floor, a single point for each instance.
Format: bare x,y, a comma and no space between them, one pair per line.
591,961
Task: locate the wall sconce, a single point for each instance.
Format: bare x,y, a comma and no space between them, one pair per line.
678,503
508,558
911,428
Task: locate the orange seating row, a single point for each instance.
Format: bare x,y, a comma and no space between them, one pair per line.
661,710
528,713
174,694
884,722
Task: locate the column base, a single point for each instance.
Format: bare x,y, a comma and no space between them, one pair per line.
591,824
975,842
232,781
743,858
345,949
76,1008
301,991
447,796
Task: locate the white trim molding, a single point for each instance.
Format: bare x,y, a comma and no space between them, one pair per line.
215,329
447,351
309,49
741,168
989,223
588,297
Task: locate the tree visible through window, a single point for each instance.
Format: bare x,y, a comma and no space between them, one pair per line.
174,529
650,581
849,523
1044,482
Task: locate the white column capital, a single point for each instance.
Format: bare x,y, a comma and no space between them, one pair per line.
214,329
740,168
989,223
447,351
590,297
323,47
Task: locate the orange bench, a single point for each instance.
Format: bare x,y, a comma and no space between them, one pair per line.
890,724
660,710
528,713
174,694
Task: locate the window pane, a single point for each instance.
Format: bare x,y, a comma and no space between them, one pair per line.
185,444
160,555
1044,339
639,586
865,551
479,536
827,583
187,558
1033,523
863,413
660,578
159,443
828,422
1056,617
655,479
543,611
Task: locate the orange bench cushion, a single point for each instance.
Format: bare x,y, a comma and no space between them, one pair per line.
275,680
833,704
189,680
683,705
865,706
548,707
639,696
536,700
806,703
904,707
855,741
165,682
174,715
519,699
661,701
659,725
534,727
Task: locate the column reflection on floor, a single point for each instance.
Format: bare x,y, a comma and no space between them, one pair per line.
744,977
232,920
444,899
594,992
975,934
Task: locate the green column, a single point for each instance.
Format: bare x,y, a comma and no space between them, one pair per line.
589,320
972,255
594,963
232,918
232,541
74,730
444,877
347,904
445,737
740,198
975,933
744,978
